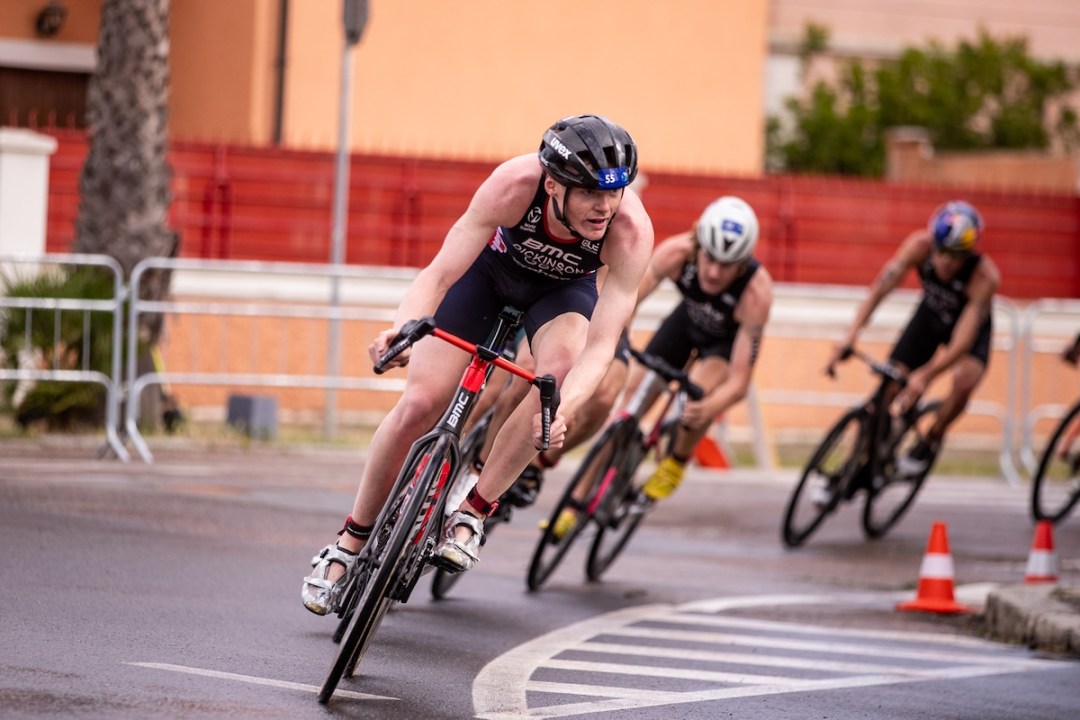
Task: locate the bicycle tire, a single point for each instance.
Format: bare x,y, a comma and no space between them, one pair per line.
1055,489
550,550
442,580
398,527
886,503
803,516
348,605
621,511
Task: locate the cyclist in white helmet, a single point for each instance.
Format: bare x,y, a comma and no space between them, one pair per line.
718,326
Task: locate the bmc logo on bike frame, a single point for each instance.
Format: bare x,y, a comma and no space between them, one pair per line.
458,409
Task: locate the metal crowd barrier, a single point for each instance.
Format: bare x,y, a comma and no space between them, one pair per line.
1060,323
313,292
248,289
113,307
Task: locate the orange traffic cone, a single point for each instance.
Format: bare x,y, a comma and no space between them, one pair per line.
935,593
1042,565
709,454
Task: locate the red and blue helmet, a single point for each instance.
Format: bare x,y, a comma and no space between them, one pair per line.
956,227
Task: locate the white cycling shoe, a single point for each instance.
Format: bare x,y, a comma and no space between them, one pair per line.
456,555
320,595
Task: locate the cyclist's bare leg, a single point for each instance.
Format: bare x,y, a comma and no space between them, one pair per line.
590,417
434,371
966,375
556,346
710,374
507,400
498,383
428,388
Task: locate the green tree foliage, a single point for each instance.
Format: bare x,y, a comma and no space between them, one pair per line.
986,94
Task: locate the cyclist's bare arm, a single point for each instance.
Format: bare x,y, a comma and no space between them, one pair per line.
501,199
626,253
752,313
911,253
667,261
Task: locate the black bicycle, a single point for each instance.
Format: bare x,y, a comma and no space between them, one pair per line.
603,494
402,543
1055,489
861,453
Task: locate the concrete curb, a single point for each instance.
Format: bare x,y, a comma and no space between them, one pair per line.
1042,616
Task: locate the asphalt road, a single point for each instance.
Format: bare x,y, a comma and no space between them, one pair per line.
172,591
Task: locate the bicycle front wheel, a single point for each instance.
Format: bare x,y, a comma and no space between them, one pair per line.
1055,489
621,508
392,547
825,479
891,492
555,539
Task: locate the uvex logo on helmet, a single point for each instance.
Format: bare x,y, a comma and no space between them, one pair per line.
558,147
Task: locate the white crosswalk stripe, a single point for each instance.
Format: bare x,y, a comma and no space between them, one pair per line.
663,655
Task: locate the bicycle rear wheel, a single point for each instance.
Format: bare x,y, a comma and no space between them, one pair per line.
891,493
393,546
552,548
825,479
621,508
1055,489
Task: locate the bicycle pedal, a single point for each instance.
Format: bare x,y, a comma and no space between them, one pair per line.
445,565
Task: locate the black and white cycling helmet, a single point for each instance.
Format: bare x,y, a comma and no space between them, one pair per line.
728,229
589,151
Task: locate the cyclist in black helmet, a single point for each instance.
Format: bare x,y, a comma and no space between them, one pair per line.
533,236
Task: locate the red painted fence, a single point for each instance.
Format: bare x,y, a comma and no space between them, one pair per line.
267,204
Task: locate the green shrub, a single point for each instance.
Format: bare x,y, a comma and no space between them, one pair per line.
64,340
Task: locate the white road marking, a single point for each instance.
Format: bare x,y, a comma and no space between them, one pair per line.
256,680
505,688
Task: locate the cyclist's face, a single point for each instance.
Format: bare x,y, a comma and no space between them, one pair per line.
947,263
715,276
588,211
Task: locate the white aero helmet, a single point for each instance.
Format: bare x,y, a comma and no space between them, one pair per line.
728,229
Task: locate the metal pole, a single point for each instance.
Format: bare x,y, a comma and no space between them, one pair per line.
337,238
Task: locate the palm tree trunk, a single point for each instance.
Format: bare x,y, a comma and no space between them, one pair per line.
124,185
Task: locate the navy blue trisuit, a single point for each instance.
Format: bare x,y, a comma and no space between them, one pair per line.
701,322
934,319
526,267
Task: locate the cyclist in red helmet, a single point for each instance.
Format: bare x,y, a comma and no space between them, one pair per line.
533,236
958,291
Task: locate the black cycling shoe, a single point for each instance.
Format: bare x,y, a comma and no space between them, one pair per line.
919,460
525,489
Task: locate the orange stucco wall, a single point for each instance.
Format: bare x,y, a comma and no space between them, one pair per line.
222,56
482,79
476,80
